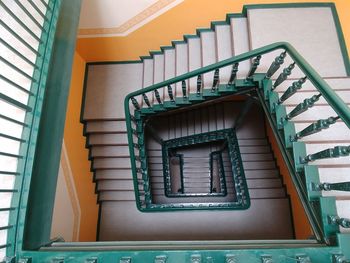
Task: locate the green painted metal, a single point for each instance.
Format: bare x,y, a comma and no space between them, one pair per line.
296,85
315,127
256,63
233,74
30,133
302,107
335,152
276,64
39,212
284,75
281,254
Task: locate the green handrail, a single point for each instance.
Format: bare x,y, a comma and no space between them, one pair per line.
330,96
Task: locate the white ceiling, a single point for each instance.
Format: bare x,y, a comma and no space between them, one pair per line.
100,18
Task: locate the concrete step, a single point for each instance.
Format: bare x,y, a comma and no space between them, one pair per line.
343,212
337,84
181,65
194,59
103,89
224,49
105,126
112,163
331,162
169,67
209,55
270,25
158,73
116,174
107,139
122,221
335,175
129,195
240,40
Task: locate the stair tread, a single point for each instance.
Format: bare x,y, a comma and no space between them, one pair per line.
224,49
202,225
107,79
239,29
270,25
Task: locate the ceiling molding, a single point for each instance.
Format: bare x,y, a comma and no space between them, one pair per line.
133,23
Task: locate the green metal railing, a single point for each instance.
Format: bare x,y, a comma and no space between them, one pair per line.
139,107
28,30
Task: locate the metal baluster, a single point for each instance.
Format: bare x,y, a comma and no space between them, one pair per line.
156,93
135,103
255,65
216,79
296,85
276,64
199,85
336,220
302,107
335,152
284,75
341,186
170,92
339,258
184,89
315,127
233,73
145,98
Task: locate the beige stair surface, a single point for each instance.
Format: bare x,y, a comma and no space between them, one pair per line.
122,221
311,30
107,84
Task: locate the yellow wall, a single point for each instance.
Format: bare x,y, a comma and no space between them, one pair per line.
302,227
78,155
185,18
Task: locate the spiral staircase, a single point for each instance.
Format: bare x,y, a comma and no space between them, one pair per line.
208,150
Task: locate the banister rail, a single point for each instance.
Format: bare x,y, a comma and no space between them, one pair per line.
147,102
331,97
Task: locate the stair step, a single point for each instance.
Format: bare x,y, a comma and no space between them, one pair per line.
105,126
107,79
313,114
181,66
335,175
208,55
128,195
240,36
252,184
224,50
336,84
301,95
116,174
194,60
270,25
107,139
255,165
122,221
249,174
337,132
158,73
112,163
330,162
343,211
169,67
110,151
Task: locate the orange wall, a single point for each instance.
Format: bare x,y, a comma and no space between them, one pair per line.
78,155
184,18
301,224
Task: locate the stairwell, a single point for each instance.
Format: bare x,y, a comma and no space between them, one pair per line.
102,115
226,146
